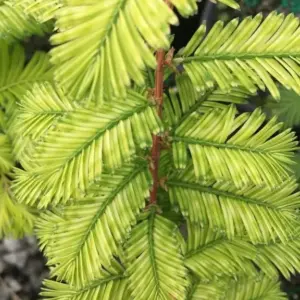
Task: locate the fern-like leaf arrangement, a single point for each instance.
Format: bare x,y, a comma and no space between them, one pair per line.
138,190
250,53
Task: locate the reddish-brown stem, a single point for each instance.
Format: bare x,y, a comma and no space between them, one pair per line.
158,95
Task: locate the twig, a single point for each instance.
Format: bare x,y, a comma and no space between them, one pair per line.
156,141
158,96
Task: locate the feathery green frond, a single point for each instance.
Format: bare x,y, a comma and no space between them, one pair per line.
15,219
16,25
258,211
17,76
287,109
113,287
242,289
207,291
210,254
154,260
138,197
277,256
184,99
241,148
82,143
41,10
94,226
6,157
100,45
39,111
221,99
250,53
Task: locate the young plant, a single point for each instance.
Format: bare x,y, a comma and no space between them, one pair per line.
140,190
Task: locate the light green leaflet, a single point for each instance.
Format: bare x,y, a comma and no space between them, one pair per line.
41,10
249,53
15,219
69,156
238,148
94,226
16,25
210,254
263,214
155,266
110,287
241,288
101,44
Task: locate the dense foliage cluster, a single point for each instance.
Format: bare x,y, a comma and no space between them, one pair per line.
78,125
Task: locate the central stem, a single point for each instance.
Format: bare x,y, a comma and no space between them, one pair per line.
158,95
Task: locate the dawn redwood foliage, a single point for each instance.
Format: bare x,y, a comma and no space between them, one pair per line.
137,190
